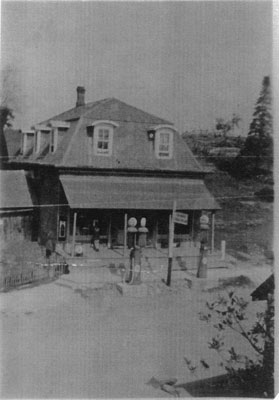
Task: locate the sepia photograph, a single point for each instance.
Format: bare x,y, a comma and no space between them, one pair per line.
137,209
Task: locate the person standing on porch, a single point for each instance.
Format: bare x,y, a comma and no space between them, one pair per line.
95,241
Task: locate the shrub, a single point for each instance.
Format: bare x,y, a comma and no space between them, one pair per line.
254,377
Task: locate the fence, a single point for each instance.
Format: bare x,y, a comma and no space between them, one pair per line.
38,273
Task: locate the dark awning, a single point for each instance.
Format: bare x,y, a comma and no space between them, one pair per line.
136,193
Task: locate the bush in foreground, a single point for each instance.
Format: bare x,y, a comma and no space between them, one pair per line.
254,376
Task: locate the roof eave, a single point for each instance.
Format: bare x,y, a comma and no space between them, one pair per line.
117,171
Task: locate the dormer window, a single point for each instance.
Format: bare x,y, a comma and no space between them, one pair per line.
164,144
164,141
57,128
53,140
27,141
37,142
104,141
41,133
103,137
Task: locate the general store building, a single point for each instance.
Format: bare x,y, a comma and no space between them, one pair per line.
109,161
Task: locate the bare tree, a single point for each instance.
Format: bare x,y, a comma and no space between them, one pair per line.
9,103
226,126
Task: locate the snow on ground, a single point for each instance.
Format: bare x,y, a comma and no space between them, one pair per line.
70,339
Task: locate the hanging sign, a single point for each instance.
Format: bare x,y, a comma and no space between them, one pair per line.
180,218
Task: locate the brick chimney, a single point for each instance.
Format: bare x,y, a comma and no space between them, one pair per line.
80,96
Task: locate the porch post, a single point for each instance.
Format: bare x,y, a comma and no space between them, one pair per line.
171,238
212,231
156,234
193,224
74,234
68,224
109,233
125,234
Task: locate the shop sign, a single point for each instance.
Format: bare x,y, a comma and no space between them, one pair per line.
180,218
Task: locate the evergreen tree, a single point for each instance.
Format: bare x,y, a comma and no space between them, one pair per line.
6,116
261,126
256,156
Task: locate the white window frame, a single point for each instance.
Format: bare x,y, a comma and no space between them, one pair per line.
98,127
38,136
22,143
37,142
53,140
159,132
102,140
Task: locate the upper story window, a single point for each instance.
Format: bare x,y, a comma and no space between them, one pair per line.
103,137
164,141
40,137
27,141
57,128
37,141
104,140
53,140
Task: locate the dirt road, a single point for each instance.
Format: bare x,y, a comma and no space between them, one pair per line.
59,342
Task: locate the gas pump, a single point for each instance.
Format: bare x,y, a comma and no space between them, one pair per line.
134,272
202,268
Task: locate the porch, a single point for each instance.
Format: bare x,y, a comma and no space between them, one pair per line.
114,200
154,260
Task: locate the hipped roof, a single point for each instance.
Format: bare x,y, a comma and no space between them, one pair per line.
14,190
110,109
136,193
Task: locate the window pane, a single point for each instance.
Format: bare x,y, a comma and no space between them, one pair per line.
164,147
103,146
164,144
103,140
164,138
106,134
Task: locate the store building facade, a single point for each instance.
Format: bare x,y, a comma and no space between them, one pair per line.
107,161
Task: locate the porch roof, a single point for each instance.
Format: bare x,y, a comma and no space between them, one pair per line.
108,192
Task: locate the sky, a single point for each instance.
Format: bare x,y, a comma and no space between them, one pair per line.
187,62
